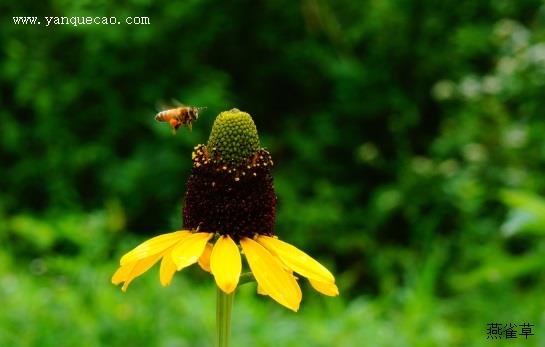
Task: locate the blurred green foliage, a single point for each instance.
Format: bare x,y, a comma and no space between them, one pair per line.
409,151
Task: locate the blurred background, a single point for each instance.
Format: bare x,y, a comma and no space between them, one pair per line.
408,138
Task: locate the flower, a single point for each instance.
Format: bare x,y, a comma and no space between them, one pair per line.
230,200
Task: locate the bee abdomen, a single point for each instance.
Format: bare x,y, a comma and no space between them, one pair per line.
163,116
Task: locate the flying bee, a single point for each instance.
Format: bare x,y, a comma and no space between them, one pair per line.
179,116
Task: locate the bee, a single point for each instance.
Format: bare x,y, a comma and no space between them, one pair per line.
179,116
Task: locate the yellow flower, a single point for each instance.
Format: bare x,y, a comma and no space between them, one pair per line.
230,193
271,261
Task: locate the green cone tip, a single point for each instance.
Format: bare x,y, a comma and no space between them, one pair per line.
233,137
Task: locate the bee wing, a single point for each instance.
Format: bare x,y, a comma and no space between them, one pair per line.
162,105
177,103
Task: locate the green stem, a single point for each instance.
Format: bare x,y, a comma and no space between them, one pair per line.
246,277
223,317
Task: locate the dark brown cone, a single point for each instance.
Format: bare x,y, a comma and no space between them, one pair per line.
216,202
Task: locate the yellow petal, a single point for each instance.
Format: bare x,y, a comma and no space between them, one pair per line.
261,291
329,289
225,264
204,259
153,246
128,272
277,283
121,274
297,260
168,268
190,249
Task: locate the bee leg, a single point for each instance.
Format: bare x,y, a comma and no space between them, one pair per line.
190,127
175,127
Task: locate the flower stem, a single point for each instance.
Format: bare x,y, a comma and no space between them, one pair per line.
246,277
224,306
